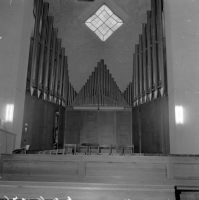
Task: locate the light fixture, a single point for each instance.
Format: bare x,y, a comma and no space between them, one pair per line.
179,114
9,112
110,108
85,108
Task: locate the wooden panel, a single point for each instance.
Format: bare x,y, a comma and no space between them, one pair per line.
2,142
26,128
89,131
10,142
39,122
61,127
98,127
7,141
130,170
186,171
37,113
153,124
48,126
123,127
106,127
40,168
73,125
135,128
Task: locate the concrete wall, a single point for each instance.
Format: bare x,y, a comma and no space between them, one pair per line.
16,22
84,49
182,41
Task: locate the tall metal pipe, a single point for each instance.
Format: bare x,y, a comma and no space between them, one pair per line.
33,77
144,62
61,76
137,72
57,70
48,58
154,50
52,71
140,69
42,49
149,56
162,71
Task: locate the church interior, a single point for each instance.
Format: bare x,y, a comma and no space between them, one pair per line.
99,99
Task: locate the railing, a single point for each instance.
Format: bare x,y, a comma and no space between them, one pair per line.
89,148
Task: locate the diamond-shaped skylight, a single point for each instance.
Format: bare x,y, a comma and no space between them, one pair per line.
104,22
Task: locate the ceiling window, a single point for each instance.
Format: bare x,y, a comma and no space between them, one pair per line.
104,22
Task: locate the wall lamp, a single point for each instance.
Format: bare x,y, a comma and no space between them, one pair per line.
9,112
179,114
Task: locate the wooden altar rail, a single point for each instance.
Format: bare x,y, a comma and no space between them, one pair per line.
7,141
88,149
162,170
92,177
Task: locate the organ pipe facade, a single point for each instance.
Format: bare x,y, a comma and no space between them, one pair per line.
48,76
149,60
48,68
100,89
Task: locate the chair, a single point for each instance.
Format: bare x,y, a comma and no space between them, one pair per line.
47,152
54,152
113,147
61,151
81,149
127,147
104,146
70,148
93,146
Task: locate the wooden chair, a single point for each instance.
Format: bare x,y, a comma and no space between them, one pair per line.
61,151
127,147
54,152
114,147
104,146
81,149
93,146
47,152
70,148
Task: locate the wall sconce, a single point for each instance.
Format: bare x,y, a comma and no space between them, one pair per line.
9,112
179,114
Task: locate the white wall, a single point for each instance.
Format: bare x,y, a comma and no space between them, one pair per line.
16,22
182,41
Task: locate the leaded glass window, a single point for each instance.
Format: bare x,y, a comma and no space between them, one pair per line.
104,22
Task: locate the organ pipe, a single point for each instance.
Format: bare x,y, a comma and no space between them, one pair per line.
64,91
137,72
61,77
100,89
52,71
47,66
42,49
162,71
154,50
37,11
144,62
149,60
57,70
140,69
149,55
48,57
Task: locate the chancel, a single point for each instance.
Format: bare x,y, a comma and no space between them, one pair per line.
99,99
